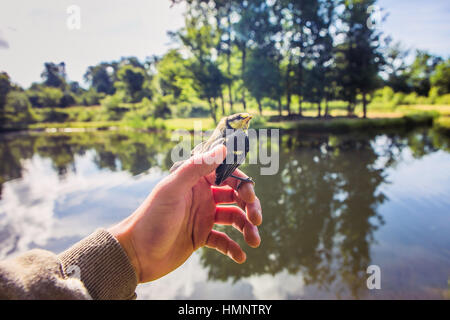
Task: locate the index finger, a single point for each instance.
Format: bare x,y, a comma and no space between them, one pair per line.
227,194
246,191
245,196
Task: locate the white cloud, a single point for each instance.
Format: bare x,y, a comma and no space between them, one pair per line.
41,207
278,287
190,281
181,282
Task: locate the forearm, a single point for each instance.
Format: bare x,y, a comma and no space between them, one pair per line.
100,267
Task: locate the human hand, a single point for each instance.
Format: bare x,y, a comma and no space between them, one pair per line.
178,217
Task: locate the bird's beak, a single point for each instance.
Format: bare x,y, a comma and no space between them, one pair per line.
248,118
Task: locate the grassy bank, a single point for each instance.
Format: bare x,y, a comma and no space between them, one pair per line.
378,119
333,125
99,125
344,125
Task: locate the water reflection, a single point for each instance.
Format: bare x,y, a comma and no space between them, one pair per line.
321,211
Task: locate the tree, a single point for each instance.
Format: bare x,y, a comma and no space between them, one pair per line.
303,23
359,56
441,77
200,38
223,11
245,33
421,70
262,77
207,80
172,75
17,109
101,77
5,88
50,97
256,34
319,54
396,68
131,80
75,88
54,75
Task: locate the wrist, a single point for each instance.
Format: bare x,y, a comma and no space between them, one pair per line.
122,232
103,266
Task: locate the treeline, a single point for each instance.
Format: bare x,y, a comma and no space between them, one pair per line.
313,51
117,86
237,54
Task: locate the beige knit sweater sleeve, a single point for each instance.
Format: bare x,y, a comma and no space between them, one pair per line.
95,268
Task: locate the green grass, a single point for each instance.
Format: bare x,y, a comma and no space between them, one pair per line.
343,125
379,117
310,125
189,124
77,125
443,111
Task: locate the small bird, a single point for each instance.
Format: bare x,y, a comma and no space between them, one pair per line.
231,130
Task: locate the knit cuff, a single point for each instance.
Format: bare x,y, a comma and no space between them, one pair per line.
102,265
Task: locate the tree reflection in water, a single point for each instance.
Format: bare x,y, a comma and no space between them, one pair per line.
132,152
320,210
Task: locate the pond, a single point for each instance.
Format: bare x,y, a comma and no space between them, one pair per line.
338,204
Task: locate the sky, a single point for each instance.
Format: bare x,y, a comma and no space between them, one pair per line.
34,32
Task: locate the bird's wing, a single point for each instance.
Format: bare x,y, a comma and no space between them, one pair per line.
238,154
198,148
208,144
214,140
224,171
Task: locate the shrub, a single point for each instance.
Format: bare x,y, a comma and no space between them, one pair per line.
444,100
41,96
199,111
422,100
410,98
68,99
112,102
386,97
51,115
91,97
35,98
258,122
18,108
387,94
51,97
433,95
398,99
146,107
181,110
85,115
162,109
139,119
112,106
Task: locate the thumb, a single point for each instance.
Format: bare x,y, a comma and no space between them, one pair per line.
200,165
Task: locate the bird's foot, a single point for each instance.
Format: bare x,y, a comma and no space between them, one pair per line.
243,180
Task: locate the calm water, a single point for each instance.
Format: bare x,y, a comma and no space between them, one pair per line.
337,205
